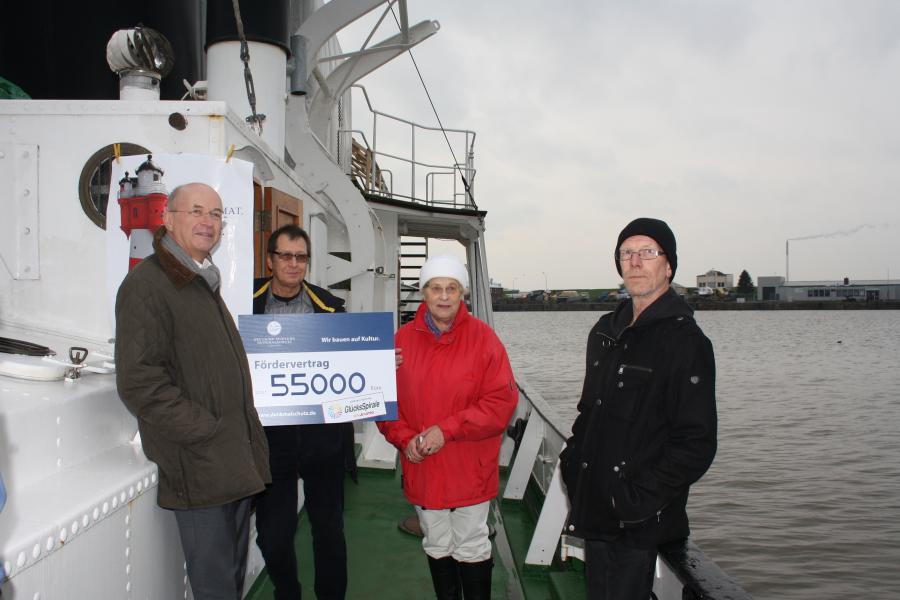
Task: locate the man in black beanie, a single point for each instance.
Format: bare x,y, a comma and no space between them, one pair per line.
646,428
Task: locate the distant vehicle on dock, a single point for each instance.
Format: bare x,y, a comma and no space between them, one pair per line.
572,296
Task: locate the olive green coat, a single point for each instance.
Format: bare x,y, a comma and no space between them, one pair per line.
181,369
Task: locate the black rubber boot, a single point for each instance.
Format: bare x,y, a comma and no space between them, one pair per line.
445,577
476,579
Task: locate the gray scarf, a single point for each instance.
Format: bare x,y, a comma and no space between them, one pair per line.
210,274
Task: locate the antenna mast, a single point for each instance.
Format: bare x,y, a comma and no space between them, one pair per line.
787,260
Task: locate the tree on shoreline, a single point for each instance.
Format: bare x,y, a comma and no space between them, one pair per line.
745,283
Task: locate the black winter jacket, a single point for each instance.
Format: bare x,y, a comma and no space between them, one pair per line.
287,443
646,428
182,370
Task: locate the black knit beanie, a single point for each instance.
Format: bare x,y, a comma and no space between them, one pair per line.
652,228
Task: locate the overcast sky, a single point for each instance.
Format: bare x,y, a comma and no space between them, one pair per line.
741,123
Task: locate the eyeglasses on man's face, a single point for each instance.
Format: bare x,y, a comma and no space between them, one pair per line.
624,255
197,212
287,257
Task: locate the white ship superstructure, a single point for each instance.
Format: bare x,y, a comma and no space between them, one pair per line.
82,497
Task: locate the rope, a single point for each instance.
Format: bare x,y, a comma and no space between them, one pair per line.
436,116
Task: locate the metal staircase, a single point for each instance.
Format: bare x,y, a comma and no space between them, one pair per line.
413,254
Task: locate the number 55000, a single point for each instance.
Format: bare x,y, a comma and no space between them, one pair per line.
318,384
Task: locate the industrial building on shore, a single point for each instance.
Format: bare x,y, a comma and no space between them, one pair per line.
846,289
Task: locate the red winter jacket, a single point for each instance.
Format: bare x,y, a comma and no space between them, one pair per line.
463,383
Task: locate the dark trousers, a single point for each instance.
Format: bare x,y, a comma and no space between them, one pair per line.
276,522
614,571
215,548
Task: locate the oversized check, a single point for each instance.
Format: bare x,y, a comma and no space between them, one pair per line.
321,368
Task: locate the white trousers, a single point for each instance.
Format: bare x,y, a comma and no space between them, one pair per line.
460,532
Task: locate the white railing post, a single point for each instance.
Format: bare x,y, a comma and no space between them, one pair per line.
527,454
551,521
374,167
412,164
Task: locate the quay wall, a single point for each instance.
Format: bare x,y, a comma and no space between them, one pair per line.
524,305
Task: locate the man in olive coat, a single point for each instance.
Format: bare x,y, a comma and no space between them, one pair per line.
182,370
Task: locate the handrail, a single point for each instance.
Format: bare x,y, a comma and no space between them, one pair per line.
547,412
429,184
699,576
463,173
408,122
360,132
413,161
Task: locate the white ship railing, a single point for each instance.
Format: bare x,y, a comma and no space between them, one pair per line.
431,182
682,570
537,460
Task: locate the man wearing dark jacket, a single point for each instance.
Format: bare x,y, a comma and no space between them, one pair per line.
646,428
316,453
182,370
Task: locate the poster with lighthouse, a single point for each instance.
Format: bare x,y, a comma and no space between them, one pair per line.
139,189
142,199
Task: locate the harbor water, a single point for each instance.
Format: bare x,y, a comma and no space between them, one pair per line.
803,499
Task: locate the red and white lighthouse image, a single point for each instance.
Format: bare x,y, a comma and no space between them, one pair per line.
142,200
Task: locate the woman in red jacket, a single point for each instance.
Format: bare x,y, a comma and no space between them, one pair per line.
456,394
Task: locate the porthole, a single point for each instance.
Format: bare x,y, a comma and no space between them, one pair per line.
94,183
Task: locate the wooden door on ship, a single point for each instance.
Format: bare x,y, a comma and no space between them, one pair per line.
272,208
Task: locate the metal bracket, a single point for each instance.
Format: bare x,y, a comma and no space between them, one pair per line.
77,354
379,272
76,363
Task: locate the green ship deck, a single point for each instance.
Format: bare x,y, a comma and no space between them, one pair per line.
386,564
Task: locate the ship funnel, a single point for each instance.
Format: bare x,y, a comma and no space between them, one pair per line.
141,57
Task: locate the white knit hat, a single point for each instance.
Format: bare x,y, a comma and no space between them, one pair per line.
443,265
